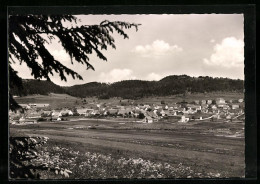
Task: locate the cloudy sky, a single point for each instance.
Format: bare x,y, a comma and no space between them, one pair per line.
191,44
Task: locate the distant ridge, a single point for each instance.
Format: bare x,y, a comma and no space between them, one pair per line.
170,85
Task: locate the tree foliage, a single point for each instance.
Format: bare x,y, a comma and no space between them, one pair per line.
29,34
24,154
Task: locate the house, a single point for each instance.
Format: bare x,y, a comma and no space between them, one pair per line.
225,107
172,112
38,105
214,107
228,117
235,111
33,114
95,112
129,111
203,102
165,107
175,107
152,114
200,116
120,107
184,119
235,106
220,101
230,101
146,106
82,111
105,112
203,106
222,114
56,114
22,119
66,112
122,112
46,113
148,119
240,100
171,109
197,107
162,112
179,113
209,102
197,102
88,112
112,111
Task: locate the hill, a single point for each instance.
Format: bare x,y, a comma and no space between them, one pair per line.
41,87
133,89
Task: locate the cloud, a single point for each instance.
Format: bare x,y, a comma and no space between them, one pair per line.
212,41
60,55
116,75
156,49
229,53
153,76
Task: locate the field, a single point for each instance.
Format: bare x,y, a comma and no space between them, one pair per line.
55,100
118,148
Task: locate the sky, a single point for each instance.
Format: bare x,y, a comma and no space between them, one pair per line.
167,44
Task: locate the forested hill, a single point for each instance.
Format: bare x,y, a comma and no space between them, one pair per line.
42,87
170,85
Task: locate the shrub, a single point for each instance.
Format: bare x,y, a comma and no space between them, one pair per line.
41,119
23,152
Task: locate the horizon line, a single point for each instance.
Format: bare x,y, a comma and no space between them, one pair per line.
133,79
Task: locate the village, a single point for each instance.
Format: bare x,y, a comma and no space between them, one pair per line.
184,112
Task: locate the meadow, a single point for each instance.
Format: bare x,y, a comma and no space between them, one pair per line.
102,149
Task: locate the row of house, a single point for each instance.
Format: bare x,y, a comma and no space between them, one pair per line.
218,101
182,111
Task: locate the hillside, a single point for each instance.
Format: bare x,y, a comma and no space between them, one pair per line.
170,85
41,87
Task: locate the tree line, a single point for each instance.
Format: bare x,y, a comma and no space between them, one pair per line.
134,89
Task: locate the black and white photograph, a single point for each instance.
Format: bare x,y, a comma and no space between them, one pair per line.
126,96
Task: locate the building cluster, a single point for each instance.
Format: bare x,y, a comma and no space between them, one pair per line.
197,110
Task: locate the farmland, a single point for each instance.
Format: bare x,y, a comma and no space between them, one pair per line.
202,147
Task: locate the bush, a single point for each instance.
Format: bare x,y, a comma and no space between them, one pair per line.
23,156
41,119
141,116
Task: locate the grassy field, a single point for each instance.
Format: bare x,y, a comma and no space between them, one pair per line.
124,148
55,100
